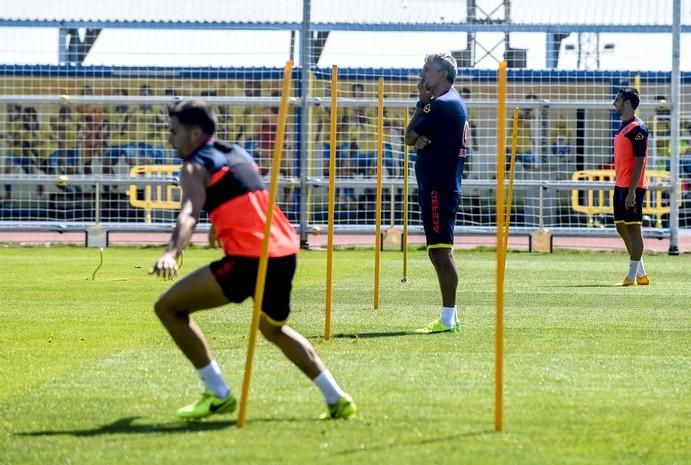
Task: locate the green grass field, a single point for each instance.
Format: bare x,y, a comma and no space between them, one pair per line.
594,374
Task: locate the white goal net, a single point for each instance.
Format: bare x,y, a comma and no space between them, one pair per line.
84,105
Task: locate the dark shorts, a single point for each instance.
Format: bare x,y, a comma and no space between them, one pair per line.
621,213
438,211
237,277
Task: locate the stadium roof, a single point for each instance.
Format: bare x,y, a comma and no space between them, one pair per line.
342,14
256,32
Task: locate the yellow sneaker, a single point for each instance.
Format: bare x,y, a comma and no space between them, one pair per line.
642,280
207,405
438,326
343,408
626,282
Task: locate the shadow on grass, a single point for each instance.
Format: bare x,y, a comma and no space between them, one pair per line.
373,335
421,442
583,285
126,426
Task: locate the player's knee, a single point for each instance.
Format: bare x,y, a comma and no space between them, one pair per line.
271,332
160,309
163,309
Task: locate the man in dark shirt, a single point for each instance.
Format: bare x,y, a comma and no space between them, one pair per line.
438,130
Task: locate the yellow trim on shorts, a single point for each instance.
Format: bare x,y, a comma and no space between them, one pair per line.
272,321
440,246
632,222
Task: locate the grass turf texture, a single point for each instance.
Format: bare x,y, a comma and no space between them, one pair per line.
594,374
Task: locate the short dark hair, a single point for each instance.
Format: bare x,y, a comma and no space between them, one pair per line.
630,94
194,113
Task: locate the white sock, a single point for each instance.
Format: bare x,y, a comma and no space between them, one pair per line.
449,316
329,387
633,269
641,269
213,380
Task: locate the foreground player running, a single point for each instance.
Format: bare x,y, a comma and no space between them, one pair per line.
223,180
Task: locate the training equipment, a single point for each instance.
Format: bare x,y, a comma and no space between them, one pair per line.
264,258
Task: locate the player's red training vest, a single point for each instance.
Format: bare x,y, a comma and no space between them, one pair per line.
237,203
624,158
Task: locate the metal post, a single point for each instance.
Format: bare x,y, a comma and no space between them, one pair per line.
392,204
553,44
97,199
62,46
470,18
674,156
541,220
305,67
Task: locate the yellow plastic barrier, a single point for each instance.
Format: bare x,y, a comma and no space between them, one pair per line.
156,196
599,202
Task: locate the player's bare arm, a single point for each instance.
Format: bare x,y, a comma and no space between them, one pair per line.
193,181
630,200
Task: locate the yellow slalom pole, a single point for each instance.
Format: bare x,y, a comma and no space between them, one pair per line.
264,259
514,140
501,252
405,203
380,169
332,199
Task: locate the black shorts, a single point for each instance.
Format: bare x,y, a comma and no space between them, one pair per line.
623,214
438,209
237,276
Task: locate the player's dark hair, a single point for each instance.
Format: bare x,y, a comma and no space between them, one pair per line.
195,114
630,94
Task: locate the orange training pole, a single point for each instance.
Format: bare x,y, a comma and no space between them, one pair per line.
380,154
501,252
264,259
332,199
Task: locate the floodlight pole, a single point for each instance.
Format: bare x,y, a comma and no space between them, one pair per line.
674,158
305,66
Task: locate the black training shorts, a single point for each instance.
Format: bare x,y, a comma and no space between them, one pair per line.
623,214
438,209
237,276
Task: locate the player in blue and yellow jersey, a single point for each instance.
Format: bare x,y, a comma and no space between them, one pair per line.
630,157
439,130
224,180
